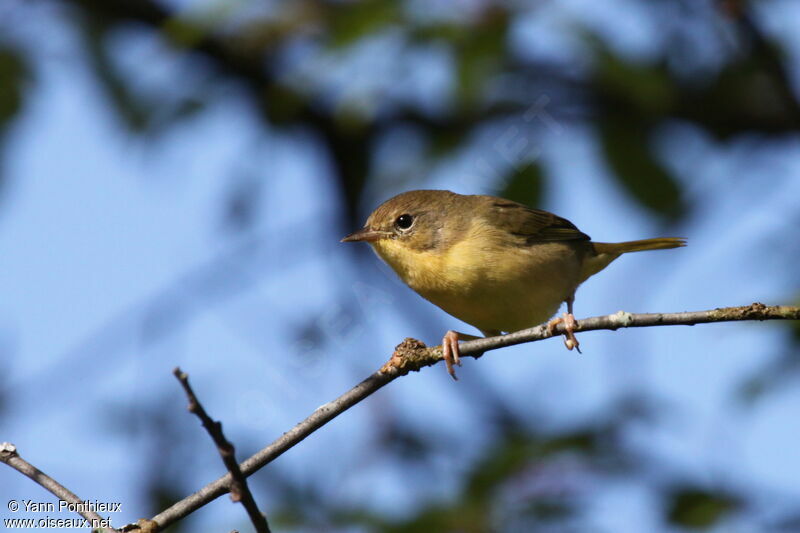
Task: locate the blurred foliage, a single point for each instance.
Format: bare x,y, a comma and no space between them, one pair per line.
528,481
636,168
526,478
132,109
638,97
524,185
697,508
479,55
628,100
13,76
351,21
13,72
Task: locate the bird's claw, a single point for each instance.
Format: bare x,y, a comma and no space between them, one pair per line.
568,319
451,352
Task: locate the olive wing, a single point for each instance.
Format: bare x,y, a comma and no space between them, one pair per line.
531,225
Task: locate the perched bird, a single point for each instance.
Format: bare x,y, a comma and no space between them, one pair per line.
495,264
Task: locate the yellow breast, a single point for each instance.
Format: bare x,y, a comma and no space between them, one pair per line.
487,279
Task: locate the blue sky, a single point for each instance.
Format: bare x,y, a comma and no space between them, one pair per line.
96,224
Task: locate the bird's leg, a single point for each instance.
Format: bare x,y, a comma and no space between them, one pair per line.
450,351
569,326
570,341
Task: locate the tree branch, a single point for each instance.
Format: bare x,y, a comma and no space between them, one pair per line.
239,490
9,456
412,354
621,319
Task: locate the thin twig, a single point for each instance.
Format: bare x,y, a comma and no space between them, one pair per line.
412,354
240,492
9,456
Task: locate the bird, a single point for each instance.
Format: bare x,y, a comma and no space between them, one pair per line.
493,263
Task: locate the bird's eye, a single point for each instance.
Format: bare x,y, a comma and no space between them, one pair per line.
404,222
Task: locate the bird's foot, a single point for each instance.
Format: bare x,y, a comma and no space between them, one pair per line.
451,352
568,319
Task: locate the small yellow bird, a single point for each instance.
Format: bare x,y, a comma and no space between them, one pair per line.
495,264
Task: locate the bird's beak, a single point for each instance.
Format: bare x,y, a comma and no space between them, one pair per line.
364,234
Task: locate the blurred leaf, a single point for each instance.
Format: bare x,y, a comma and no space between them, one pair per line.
551,510
741,98
507,458
404,442
183,32
626,148
354,20
439,518
758,87
444,142
751,93
580,441
283,104
698,508
442,32
186,108
514,451
134,113
480,52
524,185
647,90
13,72
633,97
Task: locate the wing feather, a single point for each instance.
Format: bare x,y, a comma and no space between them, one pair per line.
531,225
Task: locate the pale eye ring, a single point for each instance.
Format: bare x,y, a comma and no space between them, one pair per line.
404,222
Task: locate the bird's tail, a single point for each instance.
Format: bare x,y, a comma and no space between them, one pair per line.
616,248
606,252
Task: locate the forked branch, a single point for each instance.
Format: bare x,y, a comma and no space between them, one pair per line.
238,488
412,354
